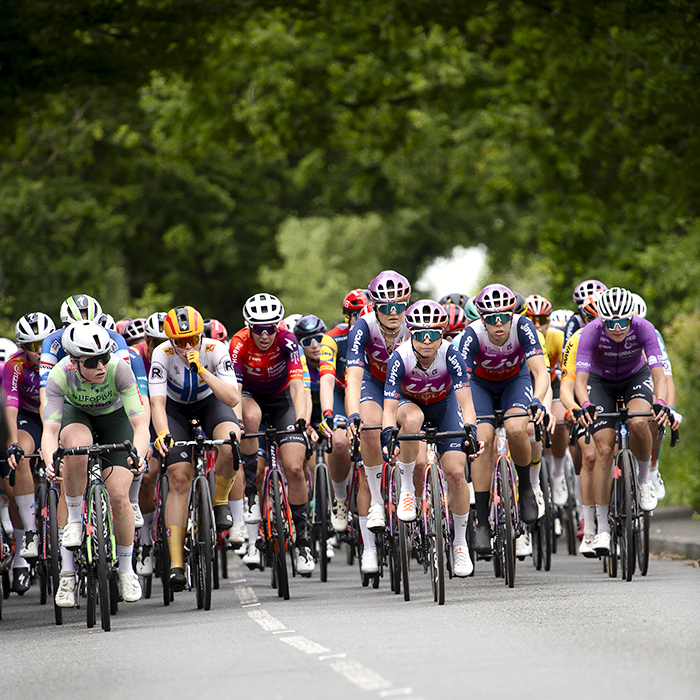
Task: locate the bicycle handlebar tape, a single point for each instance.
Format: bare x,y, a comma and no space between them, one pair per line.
235,451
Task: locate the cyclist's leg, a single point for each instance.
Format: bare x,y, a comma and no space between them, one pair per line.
252,417
560,444
410,418
371,403
339,465
29,438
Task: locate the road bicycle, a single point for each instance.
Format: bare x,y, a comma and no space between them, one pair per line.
320,506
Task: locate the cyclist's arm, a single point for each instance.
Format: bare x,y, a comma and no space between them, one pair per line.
158,415
142,436
353,389
391,407
228,394
11,421
660,388
670,390
540,376
466,405
327,392
581,386
566,394
298,394
49,440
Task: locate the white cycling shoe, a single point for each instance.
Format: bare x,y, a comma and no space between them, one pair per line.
647,496
72,535
376,519
463,565
304,560
369,563
65,595
129,586
406,510
523,545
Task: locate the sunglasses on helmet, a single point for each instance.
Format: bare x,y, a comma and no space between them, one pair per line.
306,342
429,334
493,319
260,328
92,362
619,323
398,306
190,340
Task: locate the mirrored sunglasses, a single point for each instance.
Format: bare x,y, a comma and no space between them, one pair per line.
306,342
493,319
189,341
426,334
92,362
259,329
542,319
398,306
33,347
614,323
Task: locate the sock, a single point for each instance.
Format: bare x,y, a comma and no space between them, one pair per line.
368,539
299,518
250,469
237,511
27,510
482,507
253,531
124,554
558,468
406,470
523,478
588,520
340,489
147,529
135,488
601,515
535,466
221,490
374,480
643,473
460,531
18,562
75,508
67,557
176,545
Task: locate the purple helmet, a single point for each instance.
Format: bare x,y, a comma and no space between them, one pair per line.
584,289
425,315
389,286
494,298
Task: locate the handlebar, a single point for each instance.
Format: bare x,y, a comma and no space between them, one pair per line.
204,443
95,450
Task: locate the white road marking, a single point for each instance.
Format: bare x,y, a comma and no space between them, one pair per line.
395,691
265,620
332,656
246,595
303,644
360,675
283,631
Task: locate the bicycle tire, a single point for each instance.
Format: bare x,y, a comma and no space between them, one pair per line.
537,545
643,528
627,553
279,543
614,519
223,560
471,531
113,593
322,517
436,537
202,543
53,551
98,508
506,519
548,539
571,512
211,480
393,521
42,565
160,545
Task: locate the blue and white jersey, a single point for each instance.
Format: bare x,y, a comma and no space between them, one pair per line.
139,370
665,360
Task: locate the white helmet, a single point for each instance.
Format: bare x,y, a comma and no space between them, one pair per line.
640,306
559,318
154,326
33,327
291,321
263,308
7,349
615,303
72,309
107,321
86,339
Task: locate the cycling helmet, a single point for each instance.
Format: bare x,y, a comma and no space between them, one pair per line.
154,326
640,306
183,322
122,323
426,314
456,319
134,331
355,300
455,298
536,305
470,309
615,303
80,307
215,329
7,349
33,327
263,308
584,289
86,339
107,321
559,318
291,321
589,308
495,298
309,325
389,286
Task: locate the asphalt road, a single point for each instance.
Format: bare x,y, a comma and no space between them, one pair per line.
572,632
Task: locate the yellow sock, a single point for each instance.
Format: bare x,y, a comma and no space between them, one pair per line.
223,486
176,545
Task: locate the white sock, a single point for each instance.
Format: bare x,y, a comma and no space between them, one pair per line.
67,560
124,554
75,508
236,508
374,480
460,531
643,473
368,539
558,468
406,469
601,515
27,510
340,489
535,475
18,562
253,529
146,532
588,520
135,488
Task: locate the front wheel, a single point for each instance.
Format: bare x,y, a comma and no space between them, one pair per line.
279,538
98,513
435,532
505,520
627,553
202,540
322,517
53,551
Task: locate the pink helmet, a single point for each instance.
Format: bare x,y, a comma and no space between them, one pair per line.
494,298
389,286
584,289
426,314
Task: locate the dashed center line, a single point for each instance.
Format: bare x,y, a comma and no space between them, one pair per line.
303,644
266,621
363,677
246,595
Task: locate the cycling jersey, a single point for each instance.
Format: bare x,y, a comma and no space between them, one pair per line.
172,377
312,381
665,359
267,372
118,390
568,363
405,378
334,348
20,383
367,347
572,325
554,348
494,362
142,349
139,370
598,354
52,351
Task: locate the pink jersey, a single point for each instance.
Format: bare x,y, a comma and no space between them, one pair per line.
20,383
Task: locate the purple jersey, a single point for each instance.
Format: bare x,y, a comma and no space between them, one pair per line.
405,378
367,348
20,383
499,362
600,355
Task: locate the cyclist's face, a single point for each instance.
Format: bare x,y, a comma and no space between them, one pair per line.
618,334
182,352
33,357
263,341
498,332
391,320
93,376
426,349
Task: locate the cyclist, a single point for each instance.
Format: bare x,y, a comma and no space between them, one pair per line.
106,321
21,404
135,331
215,329
619,355
309,331
455,298
333,367
267,364
456,321
559,318
373,338
581,292
91,396
426,380
500,354
191,377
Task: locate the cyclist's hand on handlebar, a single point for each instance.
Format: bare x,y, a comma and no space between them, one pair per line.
313,435
51,468
352,427
327,424
537,410
676,419
14,454
552,423
139,467
586,414
163,442
470,445
388,438
662,413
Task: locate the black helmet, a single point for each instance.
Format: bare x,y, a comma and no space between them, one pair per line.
308,325
455,298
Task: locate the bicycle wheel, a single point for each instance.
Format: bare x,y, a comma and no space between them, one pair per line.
614,519
642,531
322,517
546,522
627,554
571,519
42,565
505,520
436,536
98,567
52,552
203,538
279,538
161,552
393,522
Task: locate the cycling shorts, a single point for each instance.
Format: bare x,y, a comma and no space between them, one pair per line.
603,394
30,423
515,392
277,409
371,390
556,388
445,415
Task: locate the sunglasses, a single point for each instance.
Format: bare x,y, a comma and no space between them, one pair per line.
398,306
542,319
190,340
614,323
306,342
92,362
426,334
493,319
33,347
269,328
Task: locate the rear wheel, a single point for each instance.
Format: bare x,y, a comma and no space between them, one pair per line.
279,538
405,556
322,518
570,510
53,551
643,525
546,522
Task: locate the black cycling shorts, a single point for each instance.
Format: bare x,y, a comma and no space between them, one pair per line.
278,410
604,394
